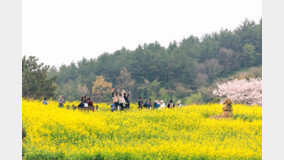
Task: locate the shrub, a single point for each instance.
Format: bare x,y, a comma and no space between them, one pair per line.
194,99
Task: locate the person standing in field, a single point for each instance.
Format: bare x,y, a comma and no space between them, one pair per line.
126,98
121,101
146,104
114,99
158,102
150,103
112,107
156,105
44,101
81,105
90,104
171,104
179,104
85,102
60,101
162,105
140,103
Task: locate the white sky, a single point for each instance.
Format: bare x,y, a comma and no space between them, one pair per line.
61,31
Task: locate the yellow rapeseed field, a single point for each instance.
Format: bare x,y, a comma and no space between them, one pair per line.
178,133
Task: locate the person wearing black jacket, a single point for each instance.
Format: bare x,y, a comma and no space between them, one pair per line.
150,103
126,97
140,103
171,104
81,105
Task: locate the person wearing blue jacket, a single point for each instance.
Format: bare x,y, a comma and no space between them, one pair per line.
156,105
112,107
146,104
44,101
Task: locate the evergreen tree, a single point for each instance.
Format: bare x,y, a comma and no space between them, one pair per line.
35,83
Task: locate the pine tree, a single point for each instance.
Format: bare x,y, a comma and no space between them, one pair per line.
35,83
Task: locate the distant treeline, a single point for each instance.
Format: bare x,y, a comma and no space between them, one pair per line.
178,71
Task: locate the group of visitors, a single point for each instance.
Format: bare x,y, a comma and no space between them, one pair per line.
157,104
60,101
120,100
87,104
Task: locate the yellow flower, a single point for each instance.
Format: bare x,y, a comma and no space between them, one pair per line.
178,133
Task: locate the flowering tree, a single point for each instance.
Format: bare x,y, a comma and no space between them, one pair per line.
82,89
241,91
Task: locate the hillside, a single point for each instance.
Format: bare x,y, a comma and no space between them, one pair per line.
251,72
174,72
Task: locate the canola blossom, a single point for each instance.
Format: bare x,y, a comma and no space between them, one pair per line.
177,133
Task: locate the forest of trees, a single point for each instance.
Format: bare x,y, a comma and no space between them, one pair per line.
181,70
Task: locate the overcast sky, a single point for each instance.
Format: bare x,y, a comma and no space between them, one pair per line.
61,31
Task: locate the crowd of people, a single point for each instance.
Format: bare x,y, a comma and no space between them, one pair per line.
121,102
87,103
157,104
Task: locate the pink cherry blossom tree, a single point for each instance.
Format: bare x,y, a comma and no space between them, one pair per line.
241,91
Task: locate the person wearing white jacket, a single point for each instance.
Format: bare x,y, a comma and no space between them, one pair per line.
162,105
179,104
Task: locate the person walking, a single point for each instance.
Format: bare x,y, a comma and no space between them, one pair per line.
61,101
44,101
114,99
